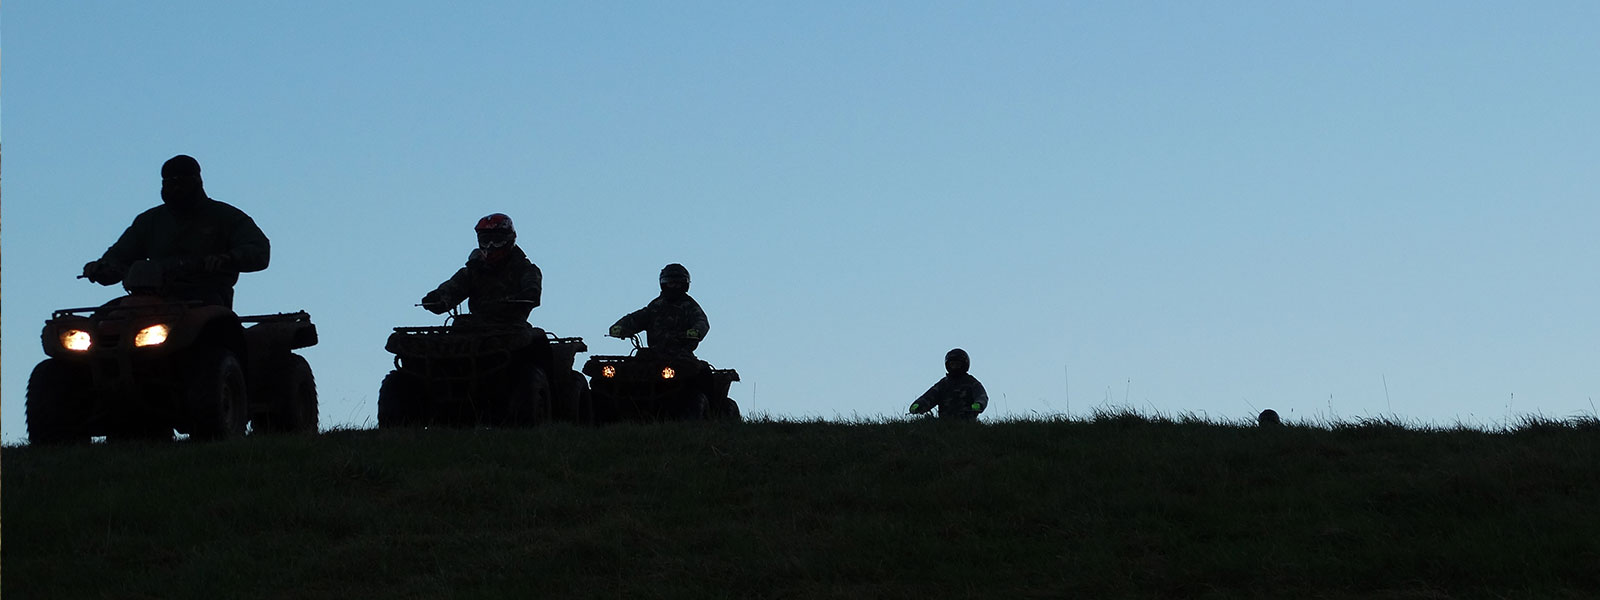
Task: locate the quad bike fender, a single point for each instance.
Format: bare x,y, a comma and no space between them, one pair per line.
209,325
279,334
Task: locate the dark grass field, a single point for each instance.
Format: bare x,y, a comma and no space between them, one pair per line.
1117,506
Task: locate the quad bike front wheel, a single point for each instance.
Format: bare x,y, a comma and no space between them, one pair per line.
293,393
57,403
215,396
401,401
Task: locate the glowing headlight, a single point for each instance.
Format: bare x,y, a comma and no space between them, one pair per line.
153,335
76,340
608,371
668,373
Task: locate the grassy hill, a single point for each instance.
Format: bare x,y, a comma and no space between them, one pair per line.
1116,506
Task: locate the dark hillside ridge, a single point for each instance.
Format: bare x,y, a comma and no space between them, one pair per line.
1120,505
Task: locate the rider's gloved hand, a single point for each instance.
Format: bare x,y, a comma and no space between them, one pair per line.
693,334
99,272
617,331
215,262
434,302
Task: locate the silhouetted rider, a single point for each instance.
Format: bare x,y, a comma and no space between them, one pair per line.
958,395
201,244
674,323
498,282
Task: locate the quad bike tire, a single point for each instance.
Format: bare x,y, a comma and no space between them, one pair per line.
294,400
603,406
570,402
728,410
527,401
401,401
695,407
585,399
215,397
57,404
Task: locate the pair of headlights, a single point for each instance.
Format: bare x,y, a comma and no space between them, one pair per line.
610,371
78,340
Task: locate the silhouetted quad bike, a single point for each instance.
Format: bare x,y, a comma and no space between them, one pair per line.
145,364
472,371
652,386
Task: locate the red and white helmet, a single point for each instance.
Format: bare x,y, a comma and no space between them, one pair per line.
495,232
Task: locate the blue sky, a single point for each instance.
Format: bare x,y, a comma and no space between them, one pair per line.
1330,209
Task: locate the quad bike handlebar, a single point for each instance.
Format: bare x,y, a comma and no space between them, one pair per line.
455,309
634,339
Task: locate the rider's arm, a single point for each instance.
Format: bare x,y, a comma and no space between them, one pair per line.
132,246
633,322
248,247
980,397
453,290
928,399
532,285
698,324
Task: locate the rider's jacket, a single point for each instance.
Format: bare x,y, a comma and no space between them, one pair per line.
667,322
181,239
955,394
487,286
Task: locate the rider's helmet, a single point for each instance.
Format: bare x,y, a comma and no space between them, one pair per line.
674,279
957,361
1269,418
181,187
495,235
181,165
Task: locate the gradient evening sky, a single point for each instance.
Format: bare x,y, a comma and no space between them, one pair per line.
1333,209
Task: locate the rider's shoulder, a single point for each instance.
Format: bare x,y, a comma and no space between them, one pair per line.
520,258
679,303
219,207
159,211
